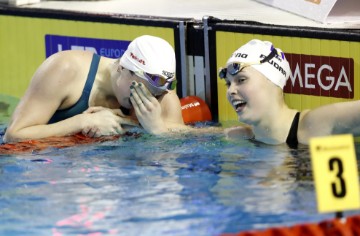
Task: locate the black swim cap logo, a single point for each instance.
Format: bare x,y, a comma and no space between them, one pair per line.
240,55
168,74
275,64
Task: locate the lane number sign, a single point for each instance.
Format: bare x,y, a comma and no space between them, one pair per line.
335,172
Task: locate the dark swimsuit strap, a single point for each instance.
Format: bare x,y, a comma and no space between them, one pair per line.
292,140
83,103
91,76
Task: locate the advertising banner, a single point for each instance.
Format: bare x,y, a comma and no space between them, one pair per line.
102,47
322,71
25,42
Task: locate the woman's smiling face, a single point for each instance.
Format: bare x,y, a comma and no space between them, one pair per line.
250,94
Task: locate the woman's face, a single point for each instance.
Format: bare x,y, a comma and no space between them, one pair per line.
122,86
250,94
123,83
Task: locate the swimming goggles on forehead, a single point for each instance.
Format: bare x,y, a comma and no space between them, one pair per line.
158,81
236,67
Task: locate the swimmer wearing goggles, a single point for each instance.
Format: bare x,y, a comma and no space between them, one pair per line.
236,67
158,81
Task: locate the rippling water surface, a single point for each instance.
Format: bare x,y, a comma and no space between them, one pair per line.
145,185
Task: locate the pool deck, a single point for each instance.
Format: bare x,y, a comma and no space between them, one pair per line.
243,10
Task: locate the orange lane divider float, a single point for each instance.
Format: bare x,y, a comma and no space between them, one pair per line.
336,227
194,109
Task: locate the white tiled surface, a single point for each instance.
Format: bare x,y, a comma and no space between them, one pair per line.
245,10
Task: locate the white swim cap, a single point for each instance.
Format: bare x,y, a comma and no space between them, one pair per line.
150,54
277,69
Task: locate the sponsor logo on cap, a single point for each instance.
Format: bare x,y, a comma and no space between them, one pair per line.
274,64
136,58
240,55
320,76
168,74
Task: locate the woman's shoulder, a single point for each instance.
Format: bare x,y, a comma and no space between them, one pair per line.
313,123
70,58
62,70
66,64
169,97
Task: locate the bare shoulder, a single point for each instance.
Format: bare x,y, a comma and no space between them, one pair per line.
170,95
171,108
307,126
169,99
68,62
62,69
316,122
336,118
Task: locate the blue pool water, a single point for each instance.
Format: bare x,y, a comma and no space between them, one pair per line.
185,185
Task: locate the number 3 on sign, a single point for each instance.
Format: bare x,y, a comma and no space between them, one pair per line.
339,190
335,173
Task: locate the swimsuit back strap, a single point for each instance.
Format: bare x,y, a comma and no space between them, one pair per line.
83,103
91,76
292,140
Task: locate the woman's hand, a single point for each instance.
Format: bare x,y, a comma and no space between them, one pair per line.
102,121
147,109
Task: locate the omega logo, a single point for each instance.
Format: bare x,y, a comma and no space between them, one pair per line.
321,76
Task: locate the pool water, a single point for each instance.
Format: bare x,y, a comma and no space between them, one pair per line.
144,185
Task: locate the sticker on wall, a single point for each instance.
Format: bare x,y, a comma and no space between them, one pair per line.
103,47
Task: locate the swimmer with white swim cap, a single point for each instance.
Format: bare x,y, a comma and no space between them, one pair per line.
255,76
153,60
78,91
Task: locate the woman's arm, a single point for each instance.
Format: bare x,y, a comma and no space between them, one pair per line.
57,84
337,118
239,132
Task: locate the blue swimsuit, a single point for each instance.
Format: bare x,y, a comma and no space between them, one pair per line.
83,103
